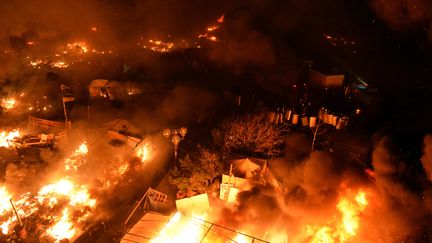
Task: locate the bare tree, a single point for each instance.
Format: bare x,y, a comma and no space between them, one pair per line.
249,134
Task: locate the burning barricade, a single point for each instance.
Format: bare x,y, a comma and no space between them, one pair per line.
65,204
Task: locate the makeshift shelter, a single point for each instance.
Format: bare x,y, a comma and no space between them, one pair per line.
253,168
121,132
245,167
328,79
198,204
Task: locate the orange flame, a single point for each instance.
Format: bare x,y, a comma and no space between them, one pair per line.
4,200
145,152
76,159
8,103
345,228
182,229
63,229
6,137
65,188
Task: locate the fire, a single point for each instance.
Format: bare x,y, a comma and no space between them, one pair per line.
4,200
6,137
81,47
123,168
63,229
8,103
77,158
159,46
144,152
59,64
181,228
350,211
241,239
82,149
346,227
212,28
212,38
72,200
75,195
221,19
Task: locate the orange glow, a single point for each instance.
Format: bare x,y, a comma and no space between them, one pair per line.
8,103
159,46
77,158
4,200
212,28
344,228
60,64
212,38
6,137
80,46
63,229
242,239
123,168
82,149
182,229
76,195
221,19
145,152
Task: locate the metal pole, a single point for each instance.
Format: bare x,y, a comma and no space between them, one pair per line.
133,211
208,230
16,213
314,137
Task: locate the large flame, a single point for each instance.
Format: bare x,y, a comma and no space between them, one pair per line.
4,200
6,137
342,228
76,195
8,103
181,228
63,229
66,198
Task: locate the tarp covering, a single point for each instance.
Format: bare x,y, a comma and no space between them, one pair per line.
199,203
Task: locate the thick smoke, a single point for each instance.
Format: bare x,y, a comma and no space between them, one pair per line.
312,186
426,159
403,15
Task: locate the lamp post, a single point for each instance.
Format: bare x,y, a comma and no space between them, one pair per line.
175,135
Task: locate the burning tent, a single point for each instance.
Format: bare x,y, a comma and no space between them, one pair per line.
253,168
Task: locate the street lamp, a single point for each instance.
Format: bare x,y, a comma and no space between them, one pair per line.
176,136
